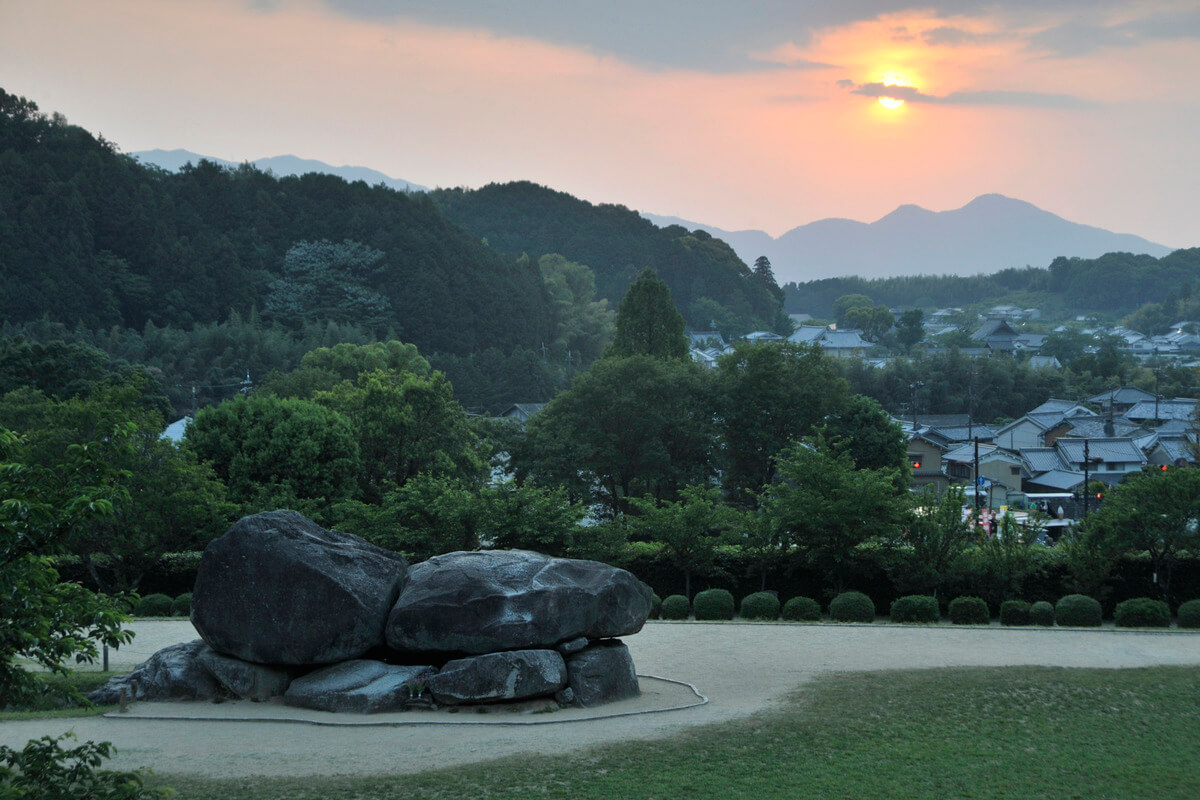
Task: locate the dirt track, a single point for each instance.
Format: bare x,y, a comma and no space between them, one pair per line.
742,668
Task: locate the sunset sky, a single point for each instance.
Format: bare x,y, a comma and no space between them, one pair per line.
739,115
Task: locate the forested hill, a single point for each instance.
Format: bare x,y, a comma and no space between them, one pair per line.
1115,283
88,236
708,281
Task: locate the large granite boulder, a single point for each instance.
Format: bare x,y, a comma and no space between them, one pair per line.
499,677
277,588
360,686
483,602
173,673
247,681
603,673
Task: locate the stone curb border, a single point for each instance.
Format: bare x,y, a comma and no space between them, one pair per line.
700,701
931,626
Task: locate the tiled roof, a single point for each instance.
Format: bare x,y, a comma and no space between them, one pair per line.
1094,427
807,333
1041,459
1177,447
963,433
1167,409
1055,404
1126,395
1109,450
1063,480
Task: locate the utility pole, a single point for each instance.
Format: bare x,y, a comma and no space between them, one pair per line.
976,473
915,385
1087,462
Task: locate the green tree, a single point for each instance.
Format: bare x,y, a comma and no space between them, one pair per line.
931,544
829,508
647,322
628,427
861,428
43,619
847,302
269,450
328,281
405,424
766,276
1154,511
767,395
689,529
873,321
1004,560
911,327
583,325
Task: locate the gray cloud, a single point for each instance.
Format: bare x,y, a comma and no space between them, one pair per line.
717,36
911,94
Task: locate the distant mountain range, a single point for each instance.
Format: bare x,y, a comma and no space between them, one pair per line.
279,165
989,233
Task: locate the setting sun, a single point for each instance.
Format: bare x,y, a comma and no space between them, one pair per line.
893,79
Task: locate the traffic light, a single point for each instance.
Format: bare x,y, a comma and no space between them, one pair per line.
916,465
1163,467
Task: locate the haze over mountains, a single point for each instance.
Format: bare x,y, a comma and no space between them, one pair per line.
990,233
279,165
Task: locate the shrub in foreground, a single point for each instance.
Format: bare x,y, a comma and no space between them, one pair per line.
676,606
1142,612
1015,612
969,611
1077,611
153,605
760,605
916,608
802,609
1041,613
44,769
713,604
182,606
852,607
655,606
1189,614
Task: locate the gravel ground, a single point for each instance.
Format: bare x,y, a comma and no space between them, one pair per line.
741,667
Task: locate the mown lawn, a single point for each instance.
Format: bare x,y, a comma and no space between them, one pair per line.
1028,732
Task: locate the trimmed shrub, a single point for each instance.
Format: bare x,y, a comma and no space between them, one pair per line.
916,608
1189,614
969,611
1015,612
1041,613
676,607
802,609
760,605
153,605
1077,611
655,606
182,605
852,607
1142,612
713,604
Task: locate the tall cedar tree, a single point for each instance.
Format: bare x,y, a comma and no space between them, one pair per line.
648,322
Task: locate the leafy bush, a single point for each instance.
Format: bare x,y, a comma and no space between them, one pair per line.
182,605
969,611
916,608
852,607
43,770
676,606
1041,613
1015,612
1077,611
713,604
802,609
1143,612
655,606
1188,617
760,605
153,605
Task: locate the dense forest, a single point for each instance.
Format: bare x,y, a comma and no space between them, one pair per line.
708,281
211,273
1115,284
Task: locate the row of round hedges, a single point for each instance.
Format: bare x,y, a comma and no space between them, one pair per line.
161,605
1074,610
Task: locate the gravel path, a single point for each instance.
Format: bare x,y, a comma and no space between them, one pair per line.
741,667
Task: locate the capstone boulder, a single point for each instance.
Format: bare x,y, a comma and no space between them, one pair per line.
489,601
277,588
499,677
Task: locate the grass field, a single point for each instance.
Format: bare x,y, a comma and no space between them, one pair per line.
1026,732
